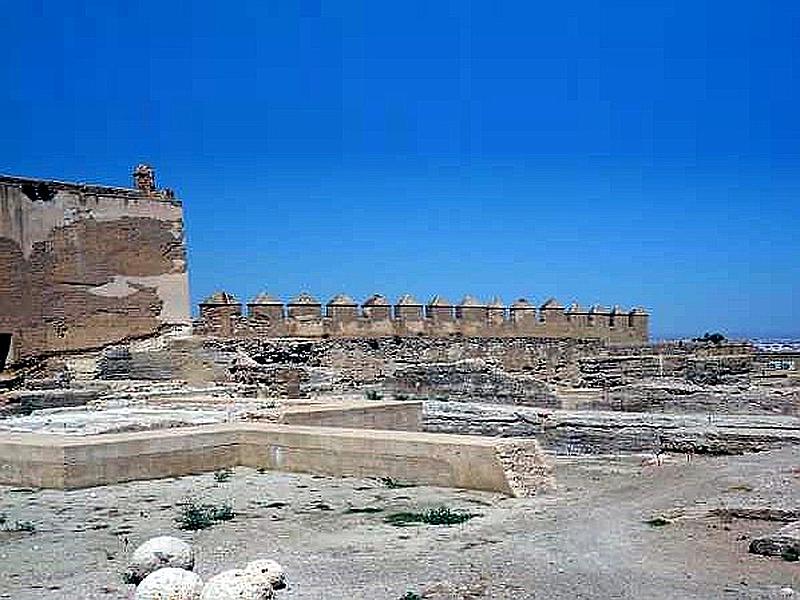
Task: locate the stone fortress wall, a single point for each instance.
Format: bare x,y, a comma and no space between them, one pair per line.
222,315
83,266
86,266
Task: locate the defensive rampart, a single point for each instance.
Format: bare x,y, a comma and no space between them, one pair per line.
222,315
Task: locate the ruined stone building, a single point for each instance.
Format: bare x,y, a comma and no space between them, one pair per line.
83,266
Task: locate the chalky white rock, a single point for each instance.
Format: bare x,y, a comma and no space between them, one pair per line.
271,569
157,553
238,584
170,583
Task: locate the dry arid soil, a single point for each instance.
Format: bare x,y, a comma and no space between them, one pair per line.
587,539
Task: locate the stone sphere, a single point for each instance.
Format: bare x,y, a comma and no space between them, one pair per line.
238,584
170,583
271,569
159,552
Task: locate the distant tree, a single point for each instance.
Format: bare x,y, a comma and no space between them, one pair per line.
715,338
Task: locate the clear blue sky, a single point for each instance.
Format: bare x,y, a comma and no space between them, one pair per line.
638,152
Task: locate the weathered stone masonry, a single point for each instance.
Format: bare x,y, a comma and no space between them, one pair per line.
83,266
221,315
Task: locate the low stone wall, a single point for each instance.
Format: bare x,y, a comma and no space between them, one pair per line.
514,467
389,416
606,432
24,402
32,460
421,458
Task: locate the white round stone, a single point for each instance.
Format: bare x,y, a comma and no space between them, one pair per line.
271,569
170,583
159,552
238,584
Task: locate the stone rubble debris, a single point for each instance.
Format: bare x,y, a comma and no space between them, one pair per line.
784,542
170,583
238,584
271,569
162,569
157,553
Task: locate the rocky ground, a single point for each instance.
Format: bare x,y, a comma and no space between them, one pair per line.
588,539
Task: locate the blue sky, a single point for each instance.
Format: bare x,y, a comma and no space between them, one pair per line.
642,153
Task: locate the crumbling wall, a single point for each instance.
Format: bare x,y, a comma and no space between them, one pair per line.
554,373
84,266
519,370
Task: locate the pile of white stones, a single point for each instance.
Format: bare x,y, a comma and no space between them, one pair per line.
162,569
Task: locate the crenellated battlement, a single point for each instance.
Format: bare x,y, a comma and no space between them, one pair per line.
223,315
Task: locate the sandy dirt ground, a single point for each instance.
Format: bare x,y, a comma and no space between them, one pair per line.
588,539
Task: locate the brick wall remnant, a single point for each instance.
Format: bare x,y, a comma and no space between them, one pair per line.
522,312
265,307
304,306
439,309
408,308
219,312
496,311
377,308
342,308
472,310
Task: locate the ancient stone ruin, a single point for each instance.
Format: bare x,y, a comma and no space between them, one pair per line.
83,266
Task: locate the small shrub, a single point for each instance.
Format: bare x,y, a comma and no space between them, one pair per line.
223,475
19,526
445,516
393,484
353,510
741,487
224,513
435,516
194,516
128,578
715,338
373,395
791,554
